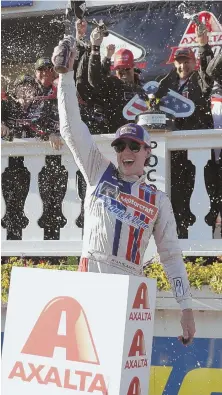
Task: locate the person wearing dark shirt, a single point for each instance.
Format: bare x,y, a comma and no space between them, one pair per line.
93,108
116,90
195,85
214,69
45,77
26,114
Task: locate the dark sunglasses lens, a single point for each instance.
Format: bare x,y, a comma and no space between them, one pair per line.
134,146
123,70
119,147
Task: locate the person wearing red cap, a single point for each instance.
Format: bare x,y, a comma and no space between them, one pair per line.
124,65
196,85
122,210
118,90
185,63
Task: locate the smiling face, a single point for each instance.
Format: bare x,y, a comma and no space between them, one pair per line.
45,76
184,66
125,74
131,156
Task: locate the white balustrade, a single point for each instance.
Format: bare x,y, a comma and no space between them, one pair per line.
198,143
4,164
33,208
71,204
199,201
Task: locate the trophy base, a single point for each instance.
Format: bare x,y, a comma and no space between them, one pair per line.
155,121
158,128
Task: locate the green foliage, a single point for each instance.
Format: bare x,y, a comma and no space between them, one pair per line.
198,273
70,265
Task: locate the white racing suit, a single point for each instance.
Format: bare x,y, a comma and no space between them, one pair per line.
121,213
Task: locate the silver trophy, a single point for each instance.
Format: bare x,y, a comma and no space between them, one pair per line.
154,119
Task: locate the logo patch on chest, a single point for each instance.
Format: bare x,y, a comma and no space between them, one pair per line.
111,193
149,210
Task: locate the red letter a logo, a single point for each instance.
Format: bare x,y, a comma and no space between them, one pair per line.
138,345
134,388
77,340
141,299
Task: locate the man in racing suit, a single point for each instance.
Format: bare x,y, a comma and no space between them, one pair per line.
121,210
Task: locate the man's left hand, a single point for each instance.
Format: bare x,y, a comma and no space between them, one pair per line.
55,141
188,326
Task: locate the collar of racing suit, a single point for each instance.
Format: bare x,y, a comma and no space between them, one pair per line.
132,178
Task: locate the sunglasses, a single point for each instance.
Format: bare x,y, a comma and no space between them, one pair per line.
123,70
120,146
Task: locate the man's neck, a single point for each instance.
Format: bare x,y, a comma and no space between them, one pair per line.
131,178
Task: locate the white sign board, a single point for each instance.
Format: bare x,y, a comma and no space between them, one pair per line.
79,333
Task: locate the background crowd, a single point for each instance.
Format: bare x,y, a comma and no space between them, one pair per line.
29,108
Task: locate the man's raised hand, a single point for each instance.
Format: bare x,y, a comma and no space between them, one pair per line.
96,37
81,28
58,52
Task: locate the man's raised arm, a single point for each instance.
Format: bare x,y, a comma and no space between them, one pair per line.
75,133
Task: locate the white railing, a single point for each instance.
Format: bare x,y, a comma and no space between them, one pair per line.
198,144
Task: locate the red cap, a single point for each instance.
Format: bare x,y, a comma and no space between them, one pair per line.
123,59
184,52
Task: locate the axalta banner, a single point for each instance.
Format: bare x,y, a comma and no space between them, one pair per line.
177,370
83,333
60,344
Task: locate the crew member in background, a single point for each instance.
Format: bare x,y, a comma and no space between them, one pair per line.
214,70
92,106
31,111
26,114
45,77
197,86
116,90
115,238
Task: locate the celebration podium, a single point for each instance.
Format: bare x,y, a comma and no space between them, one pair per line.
78,333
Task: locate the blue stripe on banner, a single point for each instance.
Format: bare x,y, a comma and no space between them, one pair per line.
126,188
136,232
14,3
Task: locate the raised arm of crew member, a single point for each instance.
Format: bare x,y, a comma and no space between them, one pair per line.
98,79
75,133
205,56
